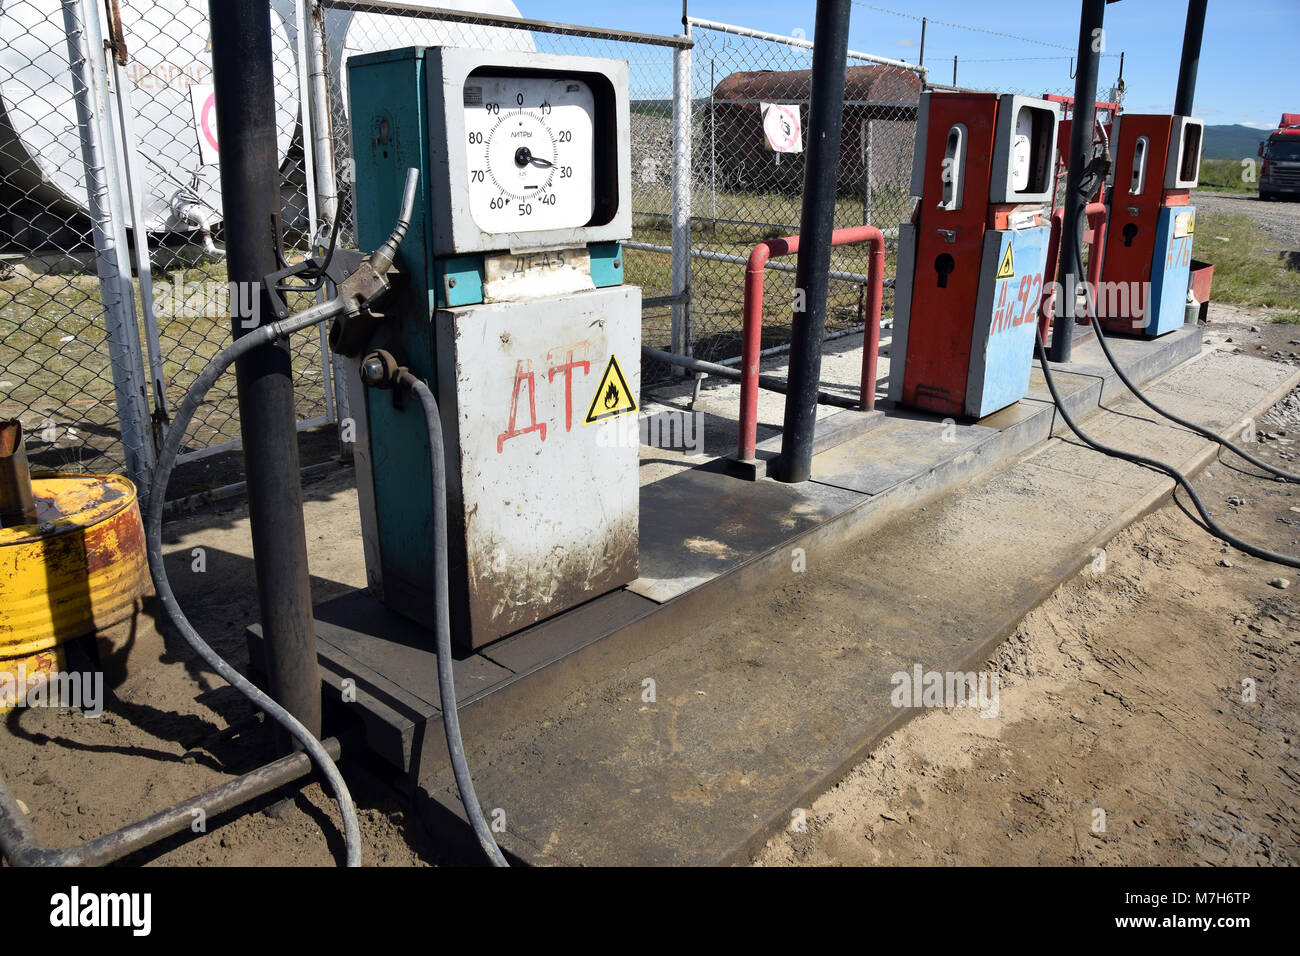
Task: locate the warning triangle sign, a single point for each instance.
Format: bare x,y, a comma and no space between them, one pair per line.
1007,267
613,396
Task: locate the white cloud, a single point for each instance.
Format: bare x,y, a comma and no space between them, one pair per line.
906,41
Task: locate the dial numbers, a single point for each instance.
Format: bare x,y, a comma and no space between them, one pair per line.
529,144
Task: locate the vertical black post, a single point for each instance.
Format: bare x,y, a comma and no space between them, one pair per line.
1084,109
817,221
1191,59
920,61
954,69
250,192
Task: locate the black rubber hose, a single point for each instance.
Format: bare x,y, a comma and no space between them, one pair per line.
1210,524
442,618
258,337
1199,429
262,335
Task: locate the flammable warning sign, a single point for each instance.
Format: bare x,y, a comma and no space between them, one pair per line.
613,396
1007,267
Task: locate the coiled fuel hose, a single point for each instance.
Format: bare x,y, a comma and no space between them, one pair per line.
1177,420
262,335
256,338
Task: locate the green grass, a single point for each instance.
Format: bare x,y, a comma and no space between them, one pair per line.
1287,318
54,357
1247,270
1225,175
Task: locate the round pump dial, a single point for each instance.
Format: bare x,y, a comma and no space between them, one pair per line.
531,152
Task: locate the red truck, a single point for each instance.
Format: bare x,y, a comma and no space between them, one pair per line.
1280,173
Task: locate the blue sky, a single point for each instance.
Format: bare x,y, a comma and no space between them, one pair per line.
1248,71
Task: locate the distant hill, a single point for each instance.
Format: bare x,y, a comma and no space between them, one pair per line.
1232,142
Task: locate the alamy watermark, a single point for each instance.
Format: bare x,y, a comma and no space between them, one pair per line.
671,429
945,689
83,690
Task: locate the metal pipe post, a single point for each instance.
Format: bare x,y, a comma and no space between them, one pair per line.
681,224
245,93
90,89
825,118
1191,59
1085,106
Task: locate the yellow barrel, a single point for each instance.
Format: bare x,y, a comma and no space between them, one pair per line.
79,569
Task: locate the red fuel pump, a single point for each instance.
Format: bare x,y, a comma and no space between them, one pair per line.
1148,254
970,269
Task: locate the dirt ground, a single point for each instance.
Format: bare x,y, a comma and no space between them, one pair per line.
1122,693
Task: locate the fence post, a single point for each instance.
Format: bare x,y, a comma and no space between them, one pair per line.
317,133
124,122
309,119
865,140
112,260
681,228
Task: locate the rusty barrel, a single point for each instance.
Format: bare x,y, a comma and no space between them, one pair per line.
78,569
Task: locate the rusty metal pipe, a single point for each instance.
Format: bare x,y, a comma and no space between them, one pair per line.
21,847
752,329
17,504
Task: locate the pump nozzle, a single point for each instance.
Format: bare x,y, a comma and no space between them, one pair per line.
382,258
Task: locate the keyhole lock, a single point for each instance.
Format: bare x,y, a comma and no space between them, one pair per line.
1130,230
943,265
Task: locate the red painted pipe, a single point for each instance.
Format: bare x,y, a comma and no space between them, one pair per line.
752,335
1096,213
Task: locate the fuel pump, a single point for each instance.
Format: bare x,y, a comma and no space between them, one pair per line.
514,310
1148,254
970,266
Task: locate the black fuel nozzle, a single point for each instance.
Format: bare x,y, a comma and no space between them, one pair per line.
1095,173
360,282
371,281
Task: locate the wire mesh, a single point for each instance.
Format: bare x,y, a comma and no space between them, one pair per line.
56,360
355,28
56,357
747,187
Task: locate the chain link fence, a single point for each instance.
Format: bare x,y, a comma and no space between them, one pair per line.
350,28
113,285
110,160
750,99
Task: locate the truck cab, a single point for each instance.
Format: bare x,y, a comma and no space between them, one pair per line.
1279,174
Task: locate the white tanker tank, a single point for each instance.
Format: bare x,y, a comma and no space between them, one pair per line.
170,69
170,72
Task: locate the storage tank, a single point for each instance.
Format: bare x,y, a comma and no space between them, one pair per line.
349,34
170,72
880,104
170,69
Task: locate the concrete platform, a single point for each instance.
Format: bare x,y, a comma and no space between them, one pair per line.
711,541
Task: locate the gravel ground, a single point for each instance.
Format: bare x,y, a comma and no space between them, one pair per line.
1253,331
1280,219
